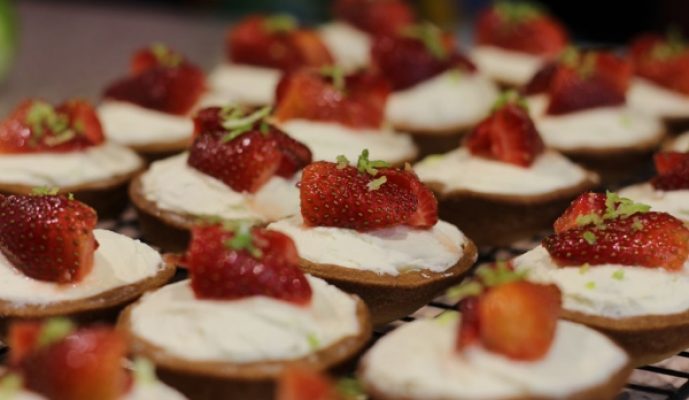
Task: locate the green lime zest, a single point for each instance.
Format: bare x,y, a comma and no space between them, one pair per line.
10,385
621,207
510,97
518,12
144,371
618,275
280,23
584,269
589,237
673,46
431,36
54,330
350,389
590,285
336,75
238,121
469,288
376,183
45,191
364,165
342,162
447,317
165,56
243,238
314,342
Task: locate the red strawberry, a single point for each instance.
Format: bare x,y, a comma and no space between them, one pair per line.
295,155
208,120
516,319
417,55
37,126
426,214
83,365
387,17
161,80
662,60
48,238
359,103
521,27
22,338
540,82
650,239
298,383
275,42
587,204
673,171
508,135
588,80
248,262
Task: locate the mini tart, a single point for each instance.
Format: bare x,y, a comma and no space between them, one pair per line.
613,141
123,270
395,271
418,362
670,106
673,202
238,348
508,68
645,310
497,203
172,196
439,110
328,140
97,175
244,84
349,45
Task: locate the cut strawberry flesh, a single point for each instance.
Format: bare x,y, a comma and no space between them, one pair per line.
298,383
586,204
673,171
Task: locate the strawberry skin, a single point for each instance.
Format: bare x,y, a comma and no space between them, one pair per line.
652,239
508,135
673,171
662,61
48,238
308,95
220,272
585,204
375,17
298,383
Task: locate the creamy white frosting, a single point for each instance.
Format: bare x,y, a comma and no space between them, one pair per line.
506,66
172,185
388,251
73,168
599,290
118,261
595,128
245,84
450,100
252,329
351,47
140,391
328,140
460,170
680,143
419,361
656,100
132,125
674,202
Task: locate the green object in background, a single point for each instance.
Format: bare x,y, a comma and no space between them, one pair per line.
8,40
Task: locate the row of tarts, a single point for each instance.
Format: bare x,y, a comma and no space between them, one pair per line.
297,239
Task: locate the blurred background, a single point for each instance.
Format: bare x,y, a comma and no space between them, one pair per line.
60,48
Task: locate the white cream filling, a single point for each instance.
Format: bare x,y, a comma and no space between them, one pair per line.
656,100
674,202
389,251
448,101
74,168
680,143
602,290
118,261
595,128
506,66
244,84
252,329
350,46
419,361
328,140
172,185
460,170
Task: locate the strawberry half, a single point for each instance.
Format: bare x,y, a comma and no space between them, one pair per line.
161,80
583,210
298,383
229,265
37,126
387,17
507,135
673,171
662,60
245,156
82,365
521,27
357,100
275,42
419,53
49,238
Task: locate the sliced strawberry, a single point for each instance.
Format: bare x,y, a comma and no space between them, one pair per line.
22,338
208,120
470,329
48,238
581,211
37,126
540,82
508,135
233,265
673,171
161,80
295,155
387,17
662,60
420,53
272,43
309,94
516,319
588,80
298,383
426,214
651,239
